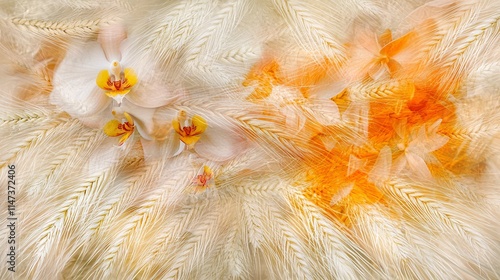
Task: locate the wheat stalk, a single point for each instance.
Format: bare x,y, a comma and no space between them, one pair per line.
77,28
176,27
417,200
79,201
308,31
147,210
343,258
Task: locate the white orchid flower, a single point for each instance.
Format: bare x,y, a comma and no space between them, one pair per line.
96,76
177,131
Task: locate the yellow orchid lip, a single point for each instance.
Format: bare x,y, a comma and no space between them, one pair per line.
190,133
116,82
116,128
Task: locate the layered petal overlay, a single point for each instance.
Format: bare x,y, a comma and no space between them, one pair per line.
250,139
110,63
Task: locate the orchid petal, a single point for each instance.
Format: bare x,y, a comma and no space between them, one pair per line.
399,164
163,123
112,128
110,38
382,167
293,119
97,120
200,123
418,166
354,164
170,147
399,44
190,140
102,80
326,112
148,94
75,90
143,118
130,77
220,144
385,38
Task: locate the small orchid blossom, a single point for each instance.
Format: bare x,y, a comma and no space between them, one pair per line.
189,130
176,131
116,128
96,76
204,181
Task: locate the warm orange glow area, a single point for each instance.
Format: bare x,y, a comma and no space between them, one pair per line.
264,76
334,189
340,178
268,73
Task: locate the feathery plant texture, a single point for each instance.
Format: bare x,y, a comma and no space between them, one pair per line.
251,139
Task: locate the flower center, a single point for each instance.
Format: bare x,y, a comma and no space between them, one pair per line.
116,128
189,130
116,81
202,181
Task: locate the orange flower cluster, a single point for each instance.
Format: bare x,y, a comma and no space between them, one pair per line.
396,121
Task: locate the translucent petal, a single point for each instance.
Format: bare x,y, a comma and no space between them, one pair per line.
382,167
110,38
399,44
143,118
418,166
220,144
326,112
155,150
294,119
75,90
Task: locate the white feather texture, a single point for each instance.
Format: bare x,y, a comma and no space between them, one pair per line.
250,139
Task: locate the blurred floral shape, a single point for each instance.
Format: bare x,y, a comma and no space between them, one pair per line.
177,131
417,148
204,181
377,56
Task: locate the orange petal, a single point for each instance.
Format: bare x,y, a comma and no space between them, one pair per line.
393,66
399,44
385,38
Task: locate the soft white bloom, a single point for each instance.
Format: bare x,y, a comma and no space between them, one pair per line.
177,131
96,76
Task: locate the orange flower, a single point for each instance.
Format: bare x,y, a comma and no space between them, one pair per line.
377,56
